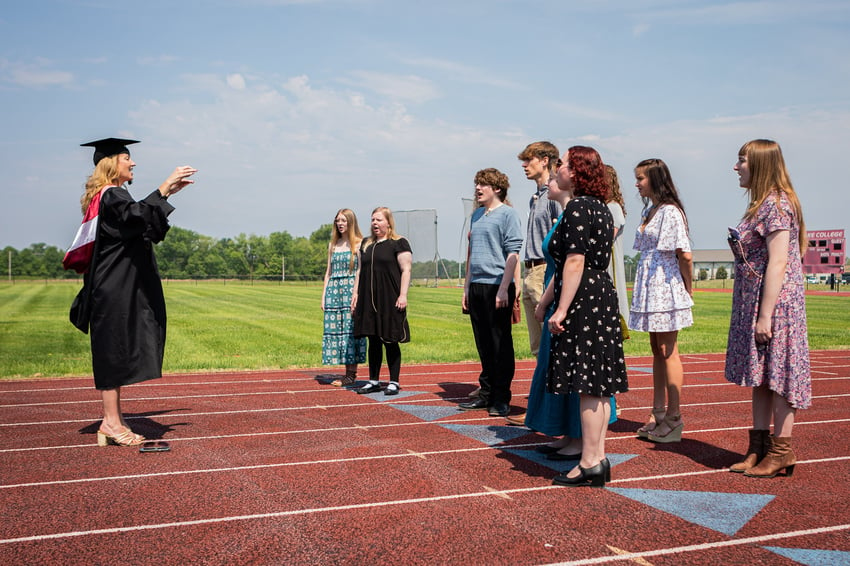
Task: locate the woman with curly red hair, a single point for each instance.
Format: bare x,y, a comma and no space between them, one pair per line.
586,351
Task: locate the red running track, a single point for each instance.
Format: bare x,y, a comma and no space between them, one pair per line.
279,468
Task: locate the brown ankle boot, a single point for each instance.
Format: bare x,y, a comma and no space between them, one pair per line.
779,457
755,452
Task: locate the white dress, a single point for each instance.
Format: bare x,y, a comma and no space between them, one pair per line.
617,267
660,302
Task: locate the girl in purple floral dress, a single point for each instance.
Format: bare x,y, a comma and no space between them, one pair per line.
661,299
768,346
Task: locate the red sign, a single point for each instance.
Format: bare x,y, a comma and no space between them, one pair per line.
825,252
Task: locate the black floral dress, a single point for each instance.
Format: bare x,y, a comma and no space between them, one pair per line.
588,356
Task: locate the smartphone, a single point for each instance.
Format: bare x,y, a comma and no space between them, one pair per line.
155,446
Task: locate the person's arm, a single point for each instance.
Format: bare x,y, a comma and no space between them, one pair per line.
573,268
178,179
464,301
774,275
507,278
686,268
517,280
327,275
356,283
545,300
405,261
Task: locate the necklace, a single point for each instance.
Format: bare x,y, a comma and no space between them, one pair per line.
489,210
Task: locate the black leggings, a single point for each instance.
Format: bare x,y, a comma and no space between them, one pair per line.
376,358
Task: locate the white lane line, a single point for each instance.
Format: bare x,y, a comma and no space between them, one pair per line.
407,454
273,515
407,401
425,390
505,493
463,421
632,556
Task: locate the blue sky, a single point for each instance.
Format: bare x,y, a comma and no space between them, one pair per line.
293,109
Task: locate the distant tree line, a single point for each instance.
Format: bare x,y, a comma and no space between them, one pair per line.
185,254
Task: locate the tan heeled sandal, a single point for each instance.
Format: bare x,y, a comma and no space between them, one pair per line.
348,379
124,438
675,426
655,418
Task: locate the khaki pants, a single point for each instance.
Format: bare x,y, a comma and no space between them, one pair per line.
532,290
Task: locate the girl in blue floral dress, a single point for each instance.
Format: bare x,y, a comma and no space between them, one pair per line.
338,344
768,346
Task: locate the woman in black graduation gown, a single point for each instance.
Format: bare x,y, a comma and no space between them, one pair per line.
127,307
380,298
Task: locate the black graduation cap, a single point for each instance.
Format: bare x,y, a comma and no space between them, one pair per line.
108,147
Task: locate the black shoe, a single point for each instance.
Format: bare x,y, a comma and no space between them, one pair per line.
392,389
473,405
559,457
591,477
499,410
606,465
369,388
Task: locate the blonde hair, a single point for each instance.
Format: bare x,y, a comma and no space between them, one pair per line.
391,235
768,175
615,195
354,236
105,173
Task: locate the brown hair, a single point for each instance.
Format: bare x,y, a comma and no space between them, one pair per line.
354,236
661,184
768,175
496,179
540,150
615,195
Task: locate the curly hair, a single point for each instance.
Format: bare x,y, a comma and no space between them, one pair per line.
496,179
588,171
615,195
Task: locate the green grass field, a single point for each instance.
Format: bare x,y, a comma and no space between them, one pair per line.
217,325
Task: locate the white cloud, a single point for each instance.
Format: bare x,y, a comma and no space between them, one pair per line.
149,60
285,156
640,29
464,73
236,81
700,154
404,88
37,74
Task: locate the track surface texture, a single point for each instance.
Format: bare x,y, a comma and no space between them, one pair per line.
279,467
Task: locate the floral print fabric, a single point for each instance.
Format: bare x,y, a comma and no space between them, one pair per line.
587,357
338,344
784,364
660,302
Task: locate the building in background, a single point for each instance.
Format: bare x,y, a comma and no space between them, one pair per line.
711,261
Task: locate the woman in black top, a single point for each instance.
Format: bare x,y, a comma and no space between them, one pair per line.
380,298
586,352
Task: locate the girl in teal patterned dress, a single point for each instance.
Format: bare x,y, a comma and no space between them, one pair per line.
338,344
